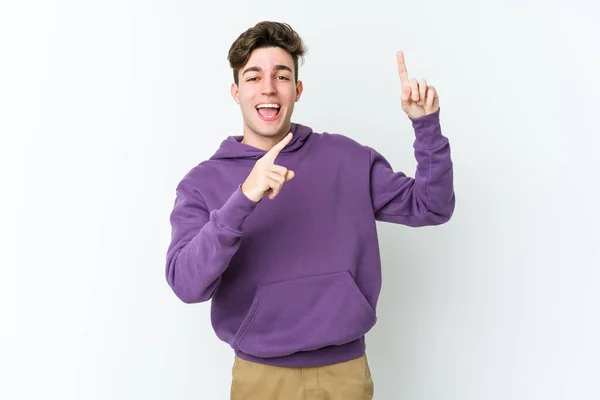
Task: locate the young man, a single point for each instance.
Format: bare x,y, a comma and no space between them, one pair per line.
295,277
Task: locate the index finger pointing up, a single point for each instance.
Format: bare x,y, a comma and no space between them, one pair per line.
274,152
402,70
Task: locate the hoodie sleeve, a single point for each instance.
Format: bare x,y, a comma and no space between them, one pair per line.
427,199
203,243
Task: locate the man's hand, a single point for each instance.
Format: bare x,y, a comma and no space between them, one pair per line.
266,175
418,99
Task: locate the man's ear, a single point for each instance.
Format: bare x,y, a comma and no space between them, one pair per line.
234,93
299,89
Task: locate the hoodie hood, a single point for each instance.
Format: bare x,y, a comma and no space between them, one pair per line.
232,148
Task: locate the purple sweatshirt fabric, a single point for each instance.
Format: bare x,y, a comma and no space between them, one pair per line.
295,281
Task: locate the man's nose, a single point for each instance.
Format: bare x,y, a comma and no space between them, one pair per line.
268,86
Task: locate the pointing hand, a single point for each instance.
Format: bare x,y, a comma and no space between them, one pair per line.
418,99
266,175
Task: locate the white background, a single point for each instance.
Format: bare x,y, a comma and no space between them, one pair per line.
104,106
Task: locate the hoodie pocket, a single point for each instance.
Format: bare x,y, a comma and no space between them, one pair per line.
305,314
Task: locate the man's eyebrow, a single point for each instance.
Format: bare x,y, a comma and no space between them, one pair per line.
252,69
282,68
259,69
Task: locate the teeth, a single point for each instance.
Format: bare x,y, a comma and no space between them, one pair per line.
268,106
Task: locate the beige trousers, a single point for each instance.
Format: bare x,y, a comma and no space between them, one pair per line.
350,380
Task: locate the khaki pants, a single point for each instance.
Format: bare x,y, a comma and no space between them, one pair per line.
350,380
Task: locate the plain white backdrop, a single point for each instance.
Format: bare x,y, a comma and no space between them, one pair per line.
104,106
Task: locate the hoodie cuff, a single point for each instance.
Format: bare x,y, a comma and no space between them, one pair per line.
235,211
428,131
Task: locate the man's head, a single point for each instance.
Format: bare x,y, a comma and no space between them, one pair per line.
264,60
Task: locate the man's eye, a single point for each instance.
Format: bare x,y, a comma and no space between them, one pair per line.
283,77
251,79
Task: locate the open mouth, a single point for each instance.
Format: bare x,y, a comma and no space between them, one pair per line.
268,111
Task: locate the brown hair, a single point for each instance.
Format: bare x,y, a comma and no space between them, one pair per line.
265,34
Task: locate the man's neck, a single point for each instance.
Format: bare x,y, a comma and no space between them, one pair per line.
262,142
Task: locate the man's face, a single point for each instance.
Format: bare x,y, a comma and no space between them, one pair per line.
267,79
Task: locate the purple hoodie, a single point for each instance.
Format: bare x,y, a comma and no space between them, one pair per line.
294,281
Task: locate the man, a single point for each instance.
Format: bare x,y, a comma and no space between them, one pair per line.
295,278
